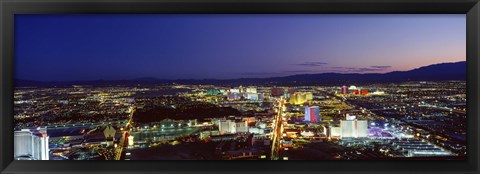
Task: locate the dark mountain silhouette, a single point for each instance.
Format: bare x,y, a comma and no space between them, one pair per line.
436,72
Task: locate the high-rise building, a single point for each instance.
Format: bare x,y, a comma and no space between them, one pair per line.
312,114
354,128
227,127
31,143
356,92
241,126
241,89
231,127
299,98
235,90
344,89
309,96
364,92
252,89
130,140
331,131
277,92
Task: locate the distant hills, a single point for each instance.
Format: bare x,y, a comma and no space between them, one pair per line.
435,72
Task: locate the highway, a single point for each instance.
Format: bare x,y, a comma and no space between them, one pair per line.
277,131
124,139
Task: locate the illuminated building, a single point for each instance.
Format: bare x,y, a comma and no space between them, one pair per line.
418,148
309,96
364,92
241,126
227,127
277,92
233,96
231,127
334,132
350,117
251,96
130,140
214,92
312,114
354,128
261,124
241,89
378,93
31,143
234,90
223,91
109,134
192,122
207,134
299,98
356,92
307,134
252,90
256,130
360,92
249,119
261,96
291,90
344,89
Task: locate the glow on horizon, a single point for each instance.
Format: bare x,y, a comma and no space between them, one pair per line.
111,47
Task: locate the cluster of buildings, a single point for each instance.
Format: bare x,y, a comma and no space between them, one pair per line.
353,90
277,91
233,126
425,116
418,148
299,98
351,127
249,93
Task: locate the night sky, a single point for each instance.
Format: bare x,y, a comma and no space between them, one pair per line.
115,47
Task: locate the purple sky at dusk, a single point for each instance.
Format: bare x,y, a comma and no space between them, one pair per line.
113,47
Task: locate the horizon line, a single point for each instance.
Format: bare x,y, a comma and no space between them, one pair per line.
200,79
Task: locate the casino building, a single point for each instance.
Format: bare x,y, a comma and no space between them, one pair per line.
353,128
31,144
312,114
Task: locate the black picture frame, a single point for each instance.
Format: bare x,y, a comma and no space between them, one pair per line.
8,9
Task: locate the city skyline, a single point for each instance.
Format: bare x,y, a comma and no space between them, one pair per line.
240,87
449,64
82,47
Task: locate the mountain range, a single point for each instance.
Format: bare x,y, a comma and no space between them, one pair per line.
435,72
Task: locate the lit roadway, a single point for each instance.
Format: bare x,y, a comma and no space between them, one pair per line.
126,132
278,130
